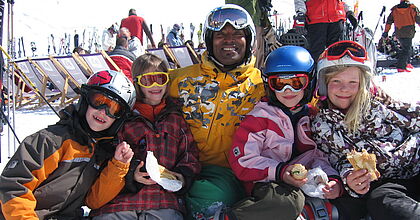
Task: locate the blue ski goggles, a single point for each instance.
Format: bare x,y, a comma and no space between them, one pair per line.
219,17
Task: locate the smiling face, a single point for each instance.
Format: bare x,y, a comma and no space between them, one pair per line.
153,95
288,98
97,119
343,87
229,45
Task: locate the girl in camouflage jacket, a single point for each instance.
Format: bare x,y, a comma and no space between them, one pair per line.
349,119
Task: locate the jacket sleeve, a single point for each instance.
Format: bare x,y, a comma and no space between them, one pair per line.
24,172
300,6
404,115
108,185
389,21
245,156
188,164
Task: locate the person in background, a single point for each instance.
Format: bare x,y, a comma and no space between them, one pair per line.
134,44
157,125
324,22
137,25
122,57
51,172
173,38
266,40
109,38
79,50
350,119
215,96
405,15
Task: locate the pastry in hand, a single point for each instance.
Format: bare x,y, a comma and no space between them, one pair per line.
165,174
364,160
299,172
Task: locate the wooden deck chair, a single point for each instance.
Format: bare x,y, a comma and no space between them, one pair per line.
194,55
35,81
182,56
95,62
60,80
68,65
160,53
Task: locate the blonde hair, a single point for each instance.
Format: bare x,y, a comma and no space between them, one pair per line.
360,104
143,64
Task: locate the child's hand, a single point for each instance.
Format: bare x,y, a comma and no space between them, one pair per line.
178,177
123,152
359,181
331,190
142,177
288,178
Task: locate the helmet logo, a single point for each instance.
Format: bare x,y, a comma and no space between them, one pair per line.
100,78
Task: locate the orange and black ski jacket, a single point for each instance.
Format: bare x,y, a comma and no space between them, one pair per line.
404,16
50,173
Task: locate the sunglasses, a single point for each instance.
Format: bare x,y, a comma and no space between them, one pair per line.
339,49
294,82
149,80
218,18
99,100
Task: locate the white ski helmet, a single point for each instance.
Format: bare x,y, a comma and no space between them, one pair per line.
345,60
235,15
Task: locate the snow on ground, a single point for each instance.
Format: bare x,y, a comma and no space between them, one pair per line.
401,86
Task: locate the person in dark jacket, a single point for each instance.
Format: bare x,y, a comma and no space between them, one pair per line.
157,126
51,172
404,16
122,57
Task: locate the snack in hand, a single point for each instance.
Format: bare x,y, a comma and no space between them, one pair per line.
165,174
364,160
299,172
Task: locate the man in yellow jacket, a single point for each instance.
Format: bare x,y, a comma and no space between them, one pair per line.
215,95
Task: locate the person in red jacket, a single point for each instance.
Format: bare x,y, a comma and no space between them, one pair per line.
137,25
404,16
324,22
122,57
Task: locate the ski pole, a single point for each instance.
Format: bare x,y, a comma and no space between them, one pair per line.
379,20
30,82
10,126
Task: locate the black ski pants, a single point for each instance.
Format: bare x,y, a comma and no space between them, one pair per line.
388,199
321,35
404,53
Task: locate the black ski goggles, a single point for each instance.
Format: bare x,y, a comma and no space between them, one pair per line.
339,49
99,100
219,17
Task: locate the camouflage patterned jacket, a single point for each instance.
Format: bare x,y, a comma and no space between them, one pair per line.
393,137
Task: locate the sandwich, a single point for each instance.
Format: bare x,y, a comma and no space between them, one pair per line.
364,160
299,171
164,173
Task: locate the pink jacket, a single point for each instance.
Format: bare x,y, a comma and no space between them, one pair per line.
263,146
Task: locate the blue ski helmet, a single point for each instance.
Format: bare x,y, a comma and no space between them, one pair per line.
288,60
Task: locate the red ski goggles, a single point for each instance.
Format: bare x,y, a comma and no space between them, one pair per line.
99,100
151,79
294,82
341,48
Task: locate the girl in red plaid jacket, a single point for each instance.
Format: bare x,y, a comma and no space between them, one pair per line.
157,125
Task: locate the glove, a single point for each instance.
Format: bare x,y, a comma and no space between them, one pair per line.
299,23
385,35
300,17
352,19
270,38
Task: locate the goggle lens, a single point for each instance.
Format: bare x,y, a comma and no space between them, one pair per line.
152,79
339,49
295,82
99,101
218,18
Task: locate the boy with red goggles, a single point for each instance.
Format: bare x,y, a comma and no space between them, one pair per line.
274,136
